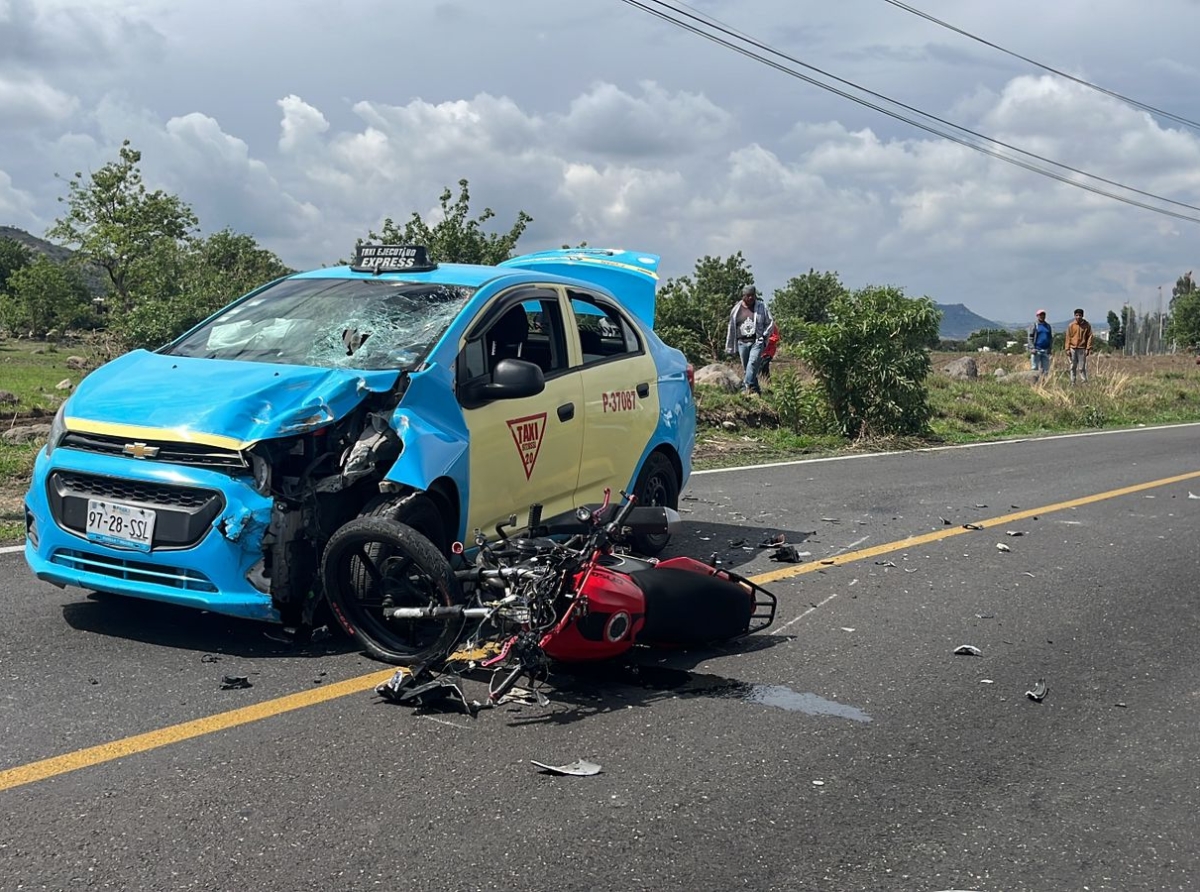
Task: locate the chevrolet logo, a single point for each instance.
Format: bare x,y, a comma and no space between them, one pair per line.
140,450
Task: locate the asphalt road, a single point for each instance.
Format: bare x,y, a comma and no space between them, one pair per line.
847,748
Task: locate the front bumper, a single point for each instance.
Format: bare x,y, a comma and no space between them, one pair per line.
207,541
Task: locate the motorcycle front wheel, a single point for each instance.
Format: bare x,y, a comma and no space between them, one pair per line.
373,564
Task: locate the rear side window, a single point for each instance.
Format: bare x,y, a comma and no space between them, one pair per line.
604,332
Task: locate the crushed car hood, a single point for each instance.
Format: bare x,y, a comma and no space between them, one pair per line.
220,402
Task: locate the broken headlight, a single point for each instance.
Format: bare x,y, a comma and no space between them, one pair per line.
261,469
58,430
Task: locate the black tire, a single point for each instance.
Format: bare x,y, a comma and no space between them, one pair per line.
417,511
657,485
375,562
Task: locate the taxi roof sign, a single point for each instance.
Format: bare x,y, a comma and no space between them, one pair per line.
391,259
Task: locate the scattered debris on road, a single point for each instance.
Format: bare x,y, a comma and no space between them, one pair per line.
1038,694
1015,532
786,554
1000,546
235,683
969,650
579,768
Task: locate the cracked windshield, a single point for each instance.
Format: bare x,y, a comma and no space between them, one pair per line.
331,323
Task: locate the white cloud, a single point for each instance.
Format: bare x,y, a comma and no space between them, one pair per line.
612,128
29,102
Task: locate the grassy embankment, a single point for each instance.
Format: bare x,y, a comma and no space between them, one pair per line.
1121,391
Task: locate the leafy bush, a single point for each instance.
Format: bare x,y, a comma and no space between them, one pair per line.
801,407
871,360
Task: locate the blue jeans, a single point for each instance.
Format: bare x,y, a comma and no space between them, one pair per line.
1041,361
750,353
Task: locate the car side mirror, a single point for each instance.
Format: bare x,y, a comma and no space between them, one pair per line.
511,379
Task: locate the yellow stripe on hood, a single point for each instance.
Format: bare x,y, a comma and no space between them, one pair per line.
137,432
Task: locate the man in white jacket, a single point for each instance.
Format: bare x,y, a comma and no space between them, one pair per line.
749,324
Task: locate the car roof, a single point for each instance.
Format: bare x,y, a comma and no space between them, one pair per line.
468,274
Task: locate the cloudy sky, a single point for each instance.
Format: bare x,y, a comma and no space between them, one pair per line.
306,122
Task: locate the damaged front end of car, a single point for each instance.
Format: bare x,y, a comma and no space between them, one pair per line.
218,522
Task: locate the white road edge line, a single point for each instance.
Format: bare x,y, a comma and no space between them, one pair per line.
813,461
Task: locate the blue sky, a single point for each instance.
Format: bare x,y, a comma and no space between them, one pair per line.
305,123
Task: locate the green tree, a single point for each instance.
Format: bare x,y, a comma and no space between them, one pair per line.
194,280
455,238
871,359
43,296
13,256
115,222
692,312
1116,337
804,300
993,338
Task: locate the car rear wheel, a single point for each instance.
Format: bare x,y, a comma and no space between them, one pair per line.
657,485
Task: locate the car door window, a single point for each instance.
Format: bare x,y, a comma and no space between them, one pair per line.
530,329
604,332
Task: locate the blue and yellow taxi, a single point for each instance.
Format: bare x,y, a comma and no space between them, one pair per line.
210,473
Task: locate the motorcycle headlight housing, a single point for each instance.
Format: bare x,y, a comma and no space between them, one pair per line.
58,430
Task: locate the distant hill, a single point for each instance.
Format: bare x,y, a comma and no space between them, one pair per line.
958,322
92,277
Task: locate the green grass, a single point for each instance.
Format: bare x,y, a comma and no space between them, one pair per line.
31,370
1120,392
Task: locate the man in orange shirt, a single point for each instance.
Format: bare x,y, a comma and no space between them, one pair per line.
1079,345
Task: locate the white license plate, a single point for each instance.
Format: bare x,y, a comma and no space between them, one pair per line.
124,526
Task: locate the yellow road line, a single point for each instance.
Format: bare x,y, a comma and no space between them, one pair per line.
912,542
106,752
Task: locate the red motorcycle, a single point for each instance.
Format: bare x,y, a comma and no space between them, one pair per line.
520,603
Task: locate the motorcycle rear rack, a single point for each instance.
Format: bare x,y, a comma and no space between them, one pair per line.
764,603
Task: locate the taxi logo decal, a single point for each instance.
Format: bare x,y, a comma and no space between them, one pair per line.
527,434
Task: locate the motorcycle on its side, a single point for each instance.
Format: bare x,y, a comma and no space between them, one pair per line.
521,603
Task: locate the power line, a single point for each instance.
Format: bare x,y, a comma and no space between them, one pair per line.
717,26
1115,95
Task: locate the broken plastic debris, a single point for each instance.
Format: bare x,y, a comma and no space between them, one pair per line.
945,522
524,696
773,541
210,658
986,681
1039,691
786,554
738,543
884,564
847,629
1030,575
818,783
985,616
969,650
1014,532
1000,546
437,693
235,682
579,768
1192,495
981,506
830,520
972,526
